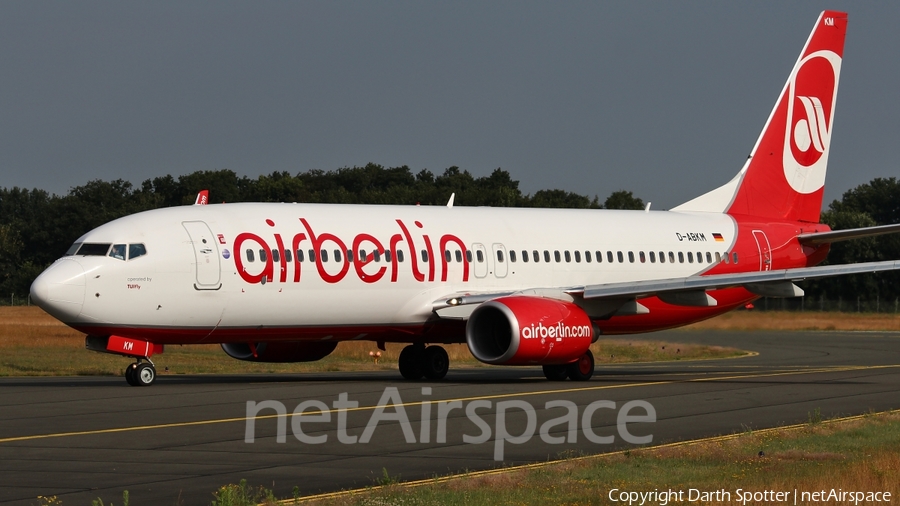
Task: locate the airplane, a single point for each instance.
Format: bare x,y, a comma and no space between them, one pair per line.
286,282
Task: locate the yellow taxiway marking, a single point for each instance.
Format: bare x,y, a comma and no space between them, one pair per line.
435,401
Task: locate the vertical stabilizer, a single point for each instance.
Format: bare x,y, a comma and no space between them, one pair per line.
784,177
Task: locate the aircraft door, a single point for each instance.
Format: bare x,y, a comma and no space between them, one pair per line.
765,251
500,260
480,260
206,255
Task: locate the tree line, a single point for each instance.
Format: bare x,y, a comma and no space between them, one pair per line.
36,227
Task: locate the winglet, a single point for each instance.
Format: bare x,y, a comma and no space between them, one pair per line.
202,198
450,202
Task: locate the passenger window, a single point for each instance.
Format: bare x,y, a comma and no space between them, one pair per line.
556,256
599,256
652,257
323,254
287,256
620,256
469,255
699,257
117,251
250,255
337,255
680,257
424,256
631,256
662,257
578,257
499,256
312,255
299,255
350,255
377,255
458,255
480,256
535,256
642,257
262,255
726,257
690,257
587,256
547,256
718,257
387,255
568,256
708,257
399,255
609,256
275,256
525,256
671,257
447,255
136,250
734,258
512,255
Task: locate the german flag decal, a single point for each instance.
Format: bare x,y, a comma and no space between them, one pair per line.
718,237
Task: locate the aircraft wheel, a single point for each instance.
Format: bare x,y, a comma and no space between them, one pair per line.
556,372
410,362
435,363
583,368
144,375
129,375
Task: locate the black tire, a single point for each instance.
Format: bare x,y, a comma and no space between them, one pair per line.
144,375
556,372
129,375
583,368
435,363
410,363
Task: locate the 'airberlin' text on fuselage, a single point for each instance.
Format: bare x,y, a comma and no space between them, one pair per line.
366,268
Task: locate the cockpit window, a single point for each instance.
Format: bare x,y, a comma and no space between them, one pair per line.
136,250
73,249
93,249
118,251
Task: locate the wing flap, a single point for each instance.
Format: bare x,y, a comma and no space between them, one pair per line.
848,234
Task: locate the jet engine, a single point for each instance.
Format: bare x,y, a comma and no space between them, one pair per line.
525,330
280,351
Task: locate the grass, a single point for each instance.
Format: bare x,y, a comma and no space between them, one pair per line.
805,320
32,343
861,454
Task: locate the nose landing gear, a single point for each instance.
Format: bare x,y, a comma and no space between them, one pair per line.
140,374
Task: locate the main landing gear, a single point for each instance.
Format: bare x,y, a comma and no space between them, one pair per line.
580,370
417,361
140,374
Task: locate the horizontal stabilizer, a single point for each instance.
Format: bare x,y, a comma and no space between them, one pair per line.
846,235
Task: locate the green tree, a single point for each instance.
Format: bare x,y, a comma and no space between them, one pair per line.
623,200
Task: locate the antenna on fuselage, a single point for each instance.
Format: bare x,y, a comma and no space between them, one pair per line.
450,202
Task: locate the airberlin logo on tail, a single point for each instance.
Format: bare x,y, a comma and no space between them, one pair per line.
810,109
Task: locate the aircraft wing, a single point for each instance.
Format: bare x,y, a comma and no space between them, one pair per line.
689,290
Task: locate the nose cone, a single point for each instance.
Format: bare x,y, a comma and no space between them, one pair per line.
59,290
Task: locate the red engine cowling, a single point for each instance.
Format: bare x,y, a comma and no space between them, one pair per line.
280,351
522,330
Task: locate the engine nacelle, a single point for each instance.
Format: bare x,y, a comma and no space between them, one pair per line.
280,351
523,330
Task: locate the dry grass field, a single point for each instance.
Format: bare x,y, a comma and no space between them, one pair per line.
808,320
32,343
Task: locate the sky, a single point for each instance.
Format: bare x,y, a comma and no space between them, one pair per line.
664,99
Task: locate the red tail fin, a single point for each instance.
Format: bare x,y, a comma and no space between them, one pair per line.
784,177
